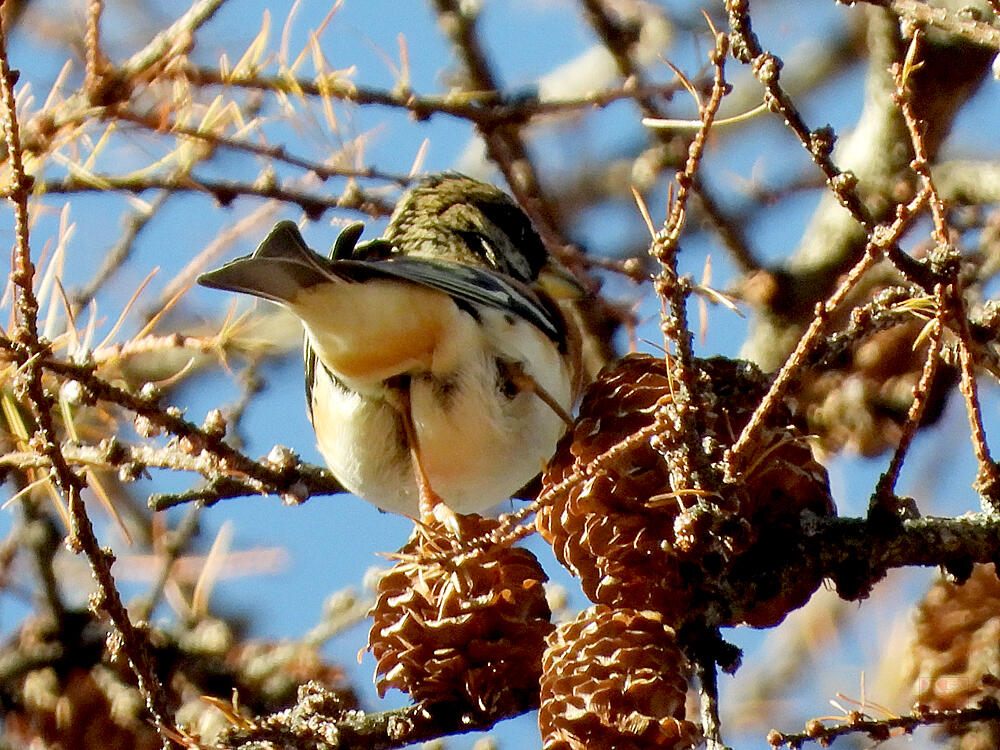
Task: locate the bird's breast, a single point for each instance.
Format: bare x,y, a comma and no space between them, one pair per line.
368,332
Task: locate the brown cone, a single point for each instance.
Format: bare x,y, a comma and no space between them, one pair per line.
635,540
859,399
79,714
956,651
614,678
467,627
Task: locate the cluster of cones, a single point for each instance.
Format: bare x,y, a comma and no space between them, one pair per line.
474,626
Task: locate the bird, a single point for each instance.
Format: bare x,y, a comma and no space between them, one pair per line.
443,359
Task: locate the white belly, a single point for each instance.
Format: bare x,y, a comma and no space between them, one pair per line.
478,445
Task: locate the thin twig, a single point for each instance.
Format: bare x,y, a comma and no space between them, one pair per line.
312,203
272,153
687,459
818,144
708,692
227,461
884,489
883,236
485,109
504,143
881,730
953,304
620,42
92,45
176,36
988,477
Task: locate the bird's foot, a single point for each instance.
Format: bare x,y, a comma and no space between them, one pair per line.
434,510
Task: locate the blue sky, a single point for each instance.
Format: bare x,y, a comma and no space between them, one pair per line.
332,542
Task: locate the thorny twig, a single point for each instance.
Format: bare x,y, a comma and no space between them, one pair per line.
883,236
988,479
28,350
883,494
688,461
881,730
215,456
819,143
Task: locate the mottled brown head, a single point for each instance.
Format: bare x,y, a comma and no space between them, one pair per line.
454,216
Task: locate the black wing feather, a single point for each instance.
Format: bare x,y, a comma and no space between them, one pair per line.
475,285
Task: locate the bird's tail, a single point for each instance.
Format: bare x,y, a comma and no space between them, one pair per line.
280,267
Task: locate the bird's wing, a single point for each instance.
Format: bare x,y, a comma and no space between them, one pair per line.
473,285
311,363
280,267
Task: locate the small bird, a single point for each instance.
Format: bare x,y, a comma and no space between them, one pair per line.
443,359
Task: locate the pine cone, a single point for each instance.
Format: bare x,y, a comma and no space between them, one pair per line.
956,651
614,678
467,628
860,397
84,710
635,540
